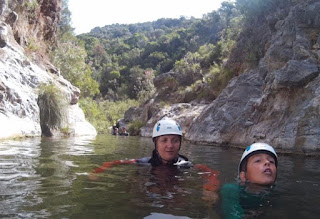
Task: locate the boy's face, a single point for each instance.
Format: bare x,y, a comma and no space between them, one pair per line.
261,169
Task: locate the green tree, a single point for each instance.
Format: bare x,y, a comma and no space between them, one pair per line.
189,68
140,82
64,25
70,59
257,9
209,55
110,78
95,114
69,56
120,54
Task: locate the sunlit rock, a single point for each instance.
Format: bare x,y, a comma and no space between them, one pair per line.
21,76
183,113
279,101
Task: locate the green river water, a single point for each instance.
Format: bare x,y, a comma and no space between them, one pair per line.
51,178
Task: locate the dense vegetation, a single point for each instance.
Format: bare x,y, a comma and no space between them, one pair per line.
126,58
119,62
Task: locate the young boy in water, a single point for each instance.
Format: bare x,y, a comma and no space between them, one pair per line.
258,165
257,172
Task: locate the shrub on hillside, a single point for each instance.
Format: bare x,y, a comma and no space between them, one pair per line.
134,127
52,105
102,115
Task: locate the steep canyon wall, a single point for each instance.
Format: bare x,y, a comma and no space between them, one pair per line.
279,101
23,71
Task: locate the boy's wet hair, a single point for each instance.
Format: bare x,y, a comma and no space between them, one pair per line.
243,166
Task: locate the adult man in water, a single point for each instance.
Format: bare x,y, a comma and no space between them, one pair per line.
167,137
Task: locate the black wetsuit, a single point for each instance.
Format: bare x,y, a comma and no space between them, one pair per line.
155,160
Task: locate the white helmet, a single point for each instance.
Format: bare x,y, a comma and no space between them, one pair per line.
166,126
257,147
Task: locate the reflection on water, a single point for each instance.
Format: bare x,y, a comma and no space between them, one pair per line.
44,177
18,177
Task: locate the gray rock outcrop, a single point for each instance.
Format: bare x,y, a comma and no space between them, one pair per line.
20,79
278,102
183,113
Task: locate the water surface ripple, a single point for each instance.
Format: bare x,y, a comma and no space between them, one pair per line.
52,178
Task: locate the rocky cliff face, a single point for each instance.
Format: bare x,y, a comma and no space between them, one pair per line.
21,75
279,101
183,113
